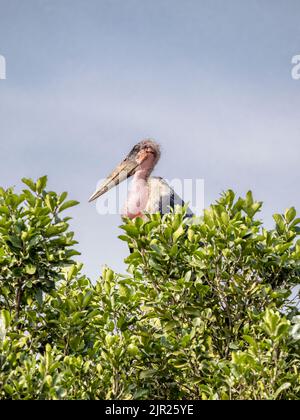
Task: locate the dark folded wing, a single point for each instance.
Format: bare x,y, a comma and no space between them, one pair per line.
163,198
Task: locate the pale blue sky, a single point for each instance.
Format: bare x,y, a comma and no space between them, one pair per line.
209,79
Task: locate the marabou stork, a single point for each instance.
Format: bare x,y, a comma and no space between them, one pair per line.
147,194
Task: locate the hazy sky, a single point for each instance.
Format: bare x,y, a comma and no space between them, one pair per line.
209,79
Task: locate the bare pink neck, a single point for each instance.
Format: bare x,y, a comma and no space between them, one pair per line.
139,192
144,169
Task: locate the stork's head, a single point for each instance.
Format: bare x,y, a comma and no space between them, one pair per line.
142,157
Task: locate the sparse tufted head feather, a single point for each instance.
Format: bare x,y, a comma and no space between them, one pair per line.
146,144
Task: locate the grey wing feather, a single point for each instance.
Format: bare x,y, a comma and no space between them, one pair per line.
163,197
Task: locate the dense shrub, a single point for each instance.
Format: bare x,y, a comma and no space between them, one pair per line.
205,311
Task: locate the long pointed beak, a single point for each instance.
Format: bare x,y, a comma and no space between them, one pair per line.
120,173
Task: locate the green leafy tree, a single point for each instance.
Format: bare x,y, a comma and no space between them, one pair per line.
208,309
34,242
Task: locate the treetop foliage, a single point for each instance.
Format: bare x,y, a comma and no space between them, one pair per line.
207,310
